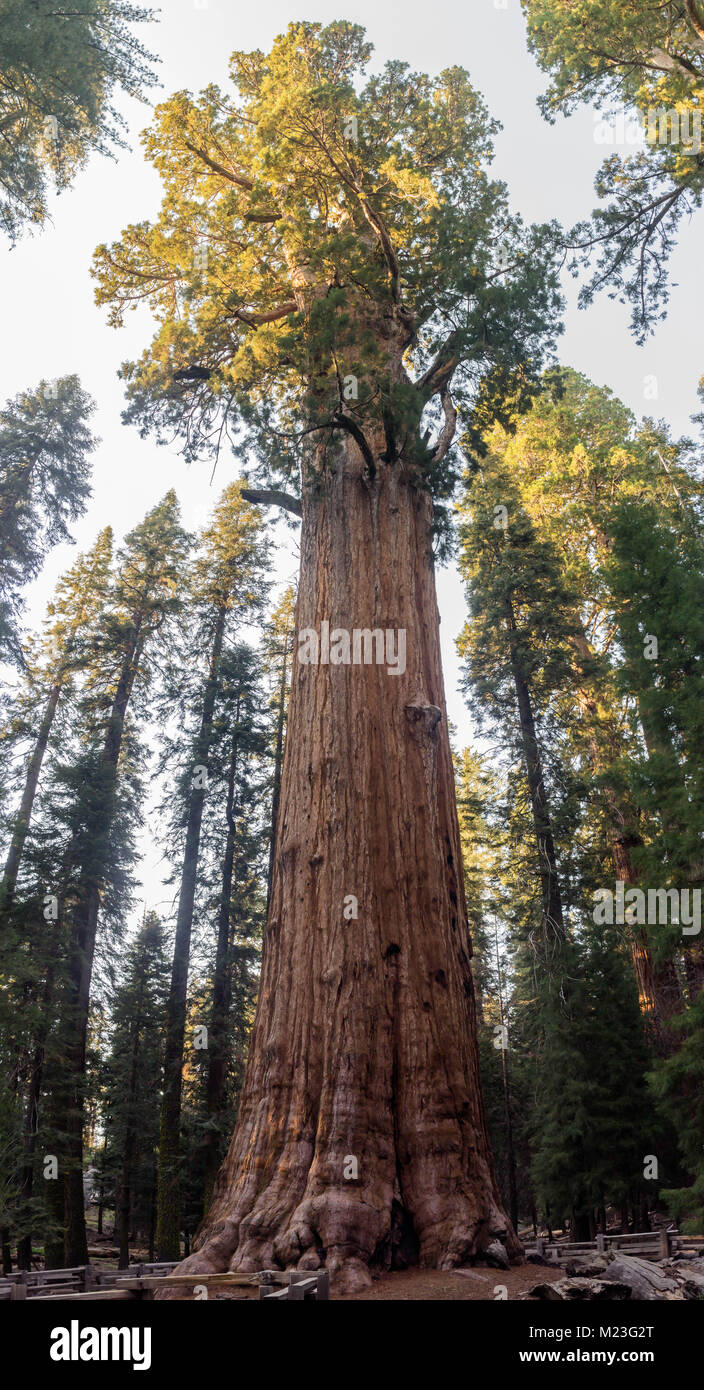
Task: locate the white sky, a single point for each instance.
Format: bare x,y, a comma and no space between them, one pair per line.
52,327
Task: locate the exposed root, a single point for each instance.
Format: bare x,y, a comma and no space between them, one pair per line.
344,1234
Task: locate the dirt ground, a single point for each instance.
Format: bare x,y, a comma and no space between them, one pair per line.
424,1285
431,1285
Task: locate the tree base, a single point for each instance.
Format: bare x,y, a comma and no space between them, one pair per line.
250,1245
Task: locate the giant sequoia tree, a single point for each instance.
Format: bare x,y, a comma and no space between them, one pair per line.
334,276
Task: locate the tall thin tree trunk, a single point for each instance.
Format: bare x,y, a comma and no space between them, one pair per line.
217,1041
510,1156
24,1245
125,1185
21,825
84,921
168,1229
553,920
658,984
34,766
362,1090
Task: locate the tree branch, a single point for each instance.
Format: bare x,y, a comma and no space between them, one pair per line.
447,432
240,179
270,316
273,499
439,372
694,17
376,221
353,428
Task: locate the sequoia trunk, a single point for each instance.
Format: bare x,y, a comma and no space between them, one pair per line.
361,1134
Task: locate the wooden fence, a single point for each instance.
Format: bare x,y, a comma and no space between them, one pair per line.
139,1281
657,1245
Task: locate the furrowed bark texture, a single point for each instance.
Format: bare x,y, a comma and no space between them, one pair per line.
363,1057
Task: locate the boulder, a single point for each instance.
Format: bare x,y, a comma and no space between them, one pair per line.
495,1255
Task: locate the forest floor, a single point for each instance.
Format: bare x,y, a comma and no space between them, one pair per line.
434,1285
425,1285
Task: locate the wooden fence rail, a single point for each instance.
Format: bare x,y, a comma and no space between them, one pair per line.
84,1282
659,1245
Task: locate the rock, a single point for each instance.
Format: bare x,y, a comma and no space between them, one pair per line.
495,1255
598,1290
645,1279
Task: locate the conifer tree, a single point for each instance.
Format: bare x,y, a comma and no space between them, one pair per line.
650,60
375,276
586,472
131,1084
45,447
50,667
241,899
227,589
515,643
147,589
62,69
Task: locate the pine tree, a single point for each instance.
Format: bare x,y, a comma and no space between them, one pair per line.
520,647
516,645
592,1123
581,463
131,1082
51,667
678,1085
227,589
62,69
146,591
649,59
241,901
45,446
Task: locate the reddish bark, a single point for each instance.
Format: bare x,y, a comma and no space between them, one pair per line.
364,1044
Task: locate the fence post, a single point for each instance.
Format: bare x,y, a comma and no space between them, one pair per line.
601,1243
323,1290
19,1289
664,1244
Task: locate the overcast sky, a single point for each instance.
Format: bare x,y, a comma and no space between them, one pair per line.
52,327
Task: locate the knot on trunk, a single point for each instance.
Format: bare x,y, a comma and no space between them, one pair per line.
423,717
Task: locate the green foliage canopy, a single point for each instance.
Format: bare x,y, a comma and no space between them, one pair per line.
60,68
